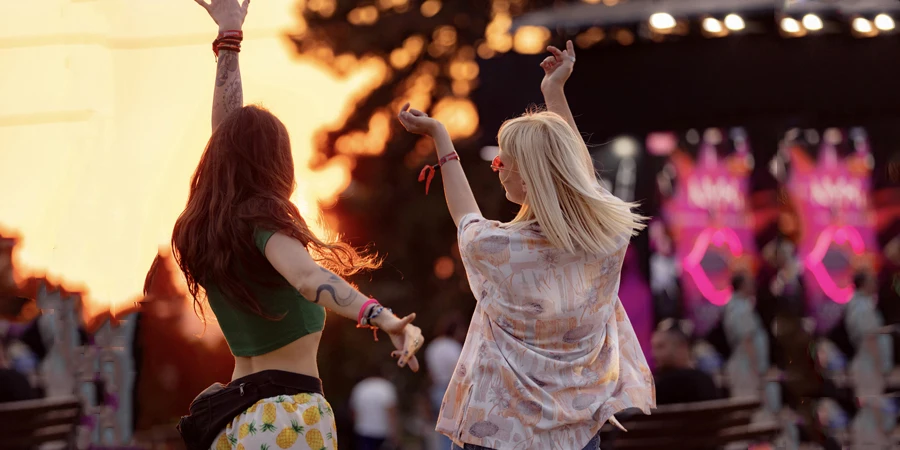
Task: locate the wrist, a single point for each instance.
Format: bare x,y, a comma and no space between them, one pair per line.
229,27
553,87
385,320
439,130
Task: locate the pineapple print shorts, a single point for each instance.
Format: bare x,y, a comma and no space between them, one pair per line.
302,421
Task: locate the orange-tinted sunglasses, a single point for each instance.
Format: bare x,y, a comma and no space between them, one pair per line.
497,165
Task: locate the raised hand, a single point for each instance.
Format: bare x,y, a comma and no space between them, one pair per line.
558,66
418,122
407,340
228,14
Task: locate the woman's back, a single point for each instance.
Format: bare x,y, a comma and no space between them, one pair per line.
550,354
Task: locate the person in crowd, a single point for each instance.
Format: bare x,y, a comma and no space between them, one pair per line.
550,354
243,246
376,421
441,357
664,273
14,385
747,338
676,378
874,357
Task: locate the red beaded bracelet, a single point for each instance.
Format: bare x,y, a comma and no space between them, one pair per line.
228,40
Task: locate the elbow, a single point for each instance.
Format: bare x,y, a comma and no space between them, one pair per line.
305,281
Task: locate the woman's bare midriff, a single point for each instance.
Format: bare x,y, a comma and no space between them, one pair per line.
298,357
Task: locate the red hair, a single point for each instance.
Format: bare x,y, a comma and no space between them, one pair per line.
244,181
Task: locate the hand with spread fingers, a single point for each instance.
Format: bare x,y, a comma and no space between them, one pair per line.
558,66
228,14
406,337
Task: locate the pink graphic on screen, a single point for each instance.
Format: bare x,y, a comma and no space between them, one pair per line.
838,225
717,237
814,260
710,221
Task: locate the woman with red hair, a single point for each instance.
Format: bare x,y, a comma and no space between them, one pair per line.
268,279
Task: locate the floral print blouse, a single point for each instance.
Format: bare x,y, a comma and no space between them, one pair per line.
550,355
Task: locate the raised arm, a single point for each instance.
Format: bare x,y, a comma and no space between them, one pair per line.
228,95
460,200
557,69
289,257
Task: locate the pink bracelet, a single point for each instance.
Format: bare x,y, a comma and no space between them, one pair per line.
447,158
363,309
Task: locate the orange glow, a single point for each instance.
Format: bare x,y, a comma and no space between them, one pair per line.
590,37
531,40
324,8
430,7
102,125
444,267
459,115
400,58
364,15
372,142
497,32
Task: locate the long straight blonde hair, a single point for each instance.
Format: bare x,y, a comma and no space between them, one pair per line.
562,190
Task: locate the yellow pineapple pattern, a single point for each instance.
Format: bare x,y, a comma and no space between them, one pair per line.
288,436
268,417
314,439
303,421
223,443
245,429
252,409
312,415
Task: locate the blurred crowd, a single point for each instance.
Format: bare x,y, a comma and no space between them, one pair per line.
830,378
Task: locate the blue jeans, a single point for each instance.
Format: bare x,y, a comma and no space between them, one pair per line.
594,444
368,443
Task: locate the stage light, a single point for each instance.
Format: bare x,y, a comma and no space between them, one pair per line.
734,22
813,22
884,22
790,25
862,25
712,25
662,21
625,147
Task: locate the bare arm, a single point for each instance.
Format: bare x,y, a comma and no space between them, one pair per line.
557,69
458,193
228,95
318,285
290,258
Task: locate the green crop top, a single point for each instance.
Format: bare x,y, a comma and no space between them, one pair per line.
250,335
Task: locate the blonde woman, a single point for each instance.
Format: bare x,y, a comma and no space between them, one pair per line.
550,355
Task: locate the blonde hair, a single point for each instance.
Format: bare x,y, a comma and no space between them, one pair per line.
562,190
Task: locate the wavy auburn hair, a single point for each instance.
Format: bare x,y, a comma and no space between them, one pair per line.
244,181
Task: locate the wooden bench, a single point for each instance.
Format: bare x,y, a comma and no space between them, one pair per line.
702,425
28,424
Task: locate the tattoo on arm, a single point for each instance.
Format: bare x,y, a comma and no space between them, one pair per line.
229,92
327,287
228,63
